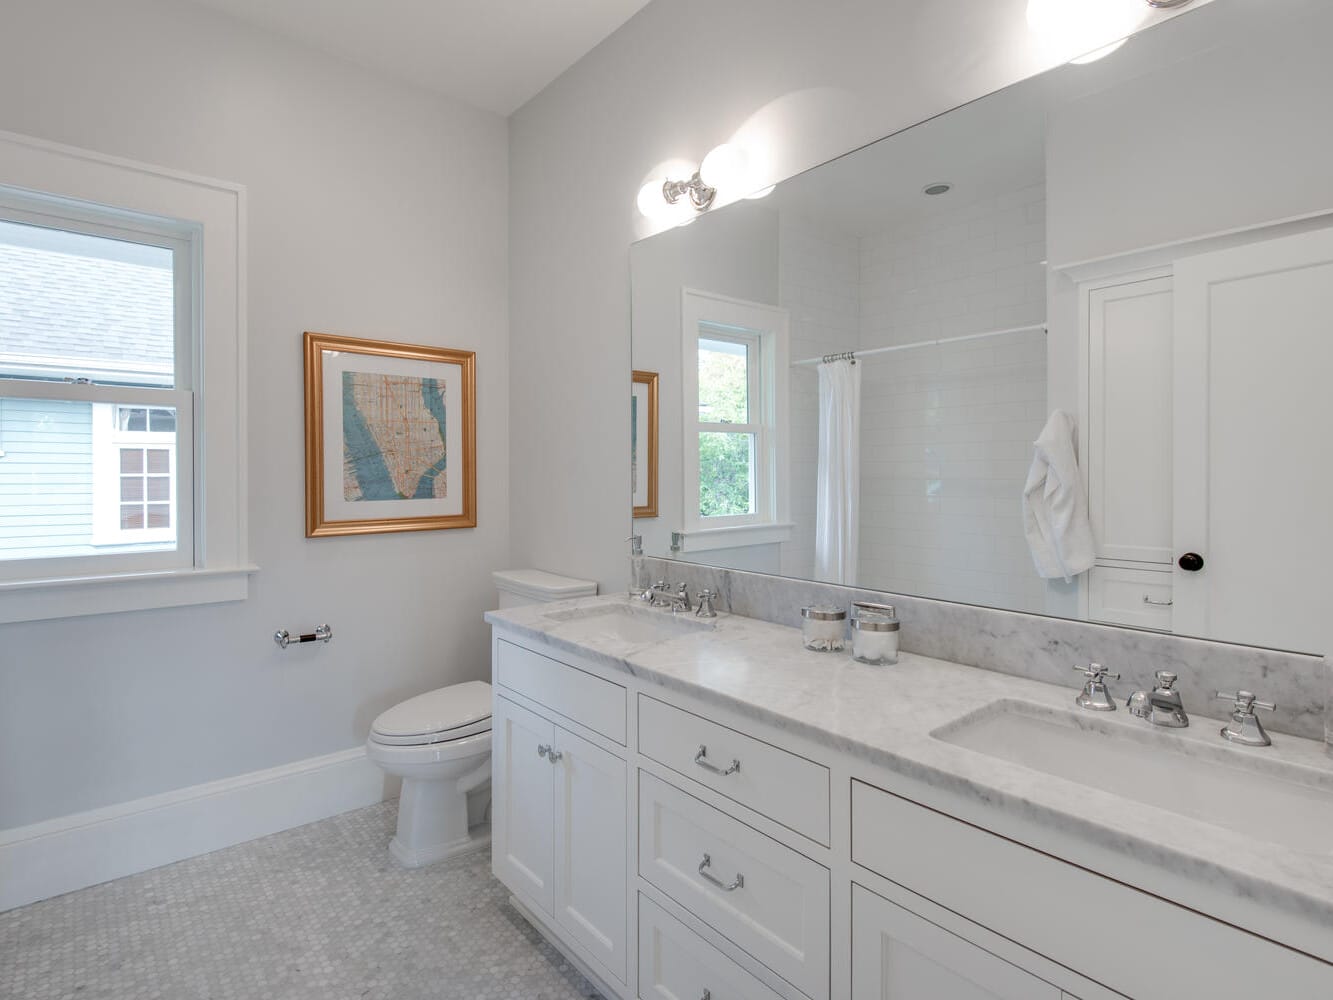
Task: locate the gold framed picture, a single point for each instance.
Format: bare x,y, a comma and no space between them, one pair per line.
390,437
643,442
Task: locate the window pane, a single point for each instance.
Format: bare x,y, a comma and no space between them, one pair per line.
132,418
726,474
80,306
159,460
59,497
724,384
162,421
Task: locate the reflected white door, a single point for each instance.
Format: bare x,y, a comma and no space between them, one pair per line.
1253,411
523,803
897,955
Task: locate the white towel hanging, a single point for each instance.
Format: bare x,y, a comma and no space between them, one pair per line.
1055,505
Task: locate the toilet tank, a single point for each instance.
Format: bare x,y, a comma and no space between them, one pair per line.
536,586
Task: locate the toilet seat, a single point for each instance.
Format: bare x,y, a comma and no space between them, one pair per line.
444,715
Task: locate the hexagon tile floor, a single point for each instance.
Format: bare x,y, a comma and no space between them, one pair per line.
316,913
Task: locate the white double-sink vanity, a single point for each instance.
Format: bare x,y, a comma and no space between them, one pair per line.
704,810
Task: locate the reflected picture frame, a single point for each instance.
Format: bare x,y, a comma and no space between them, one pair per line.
643,442
390,437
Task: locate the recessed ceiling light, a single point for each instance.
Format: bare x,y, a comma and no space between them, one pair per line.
939,187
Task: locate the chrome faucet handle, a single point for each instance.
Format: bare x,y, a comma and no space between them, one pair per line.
1246,702
1097,671
1245,727
705,609
1096,696
1165,679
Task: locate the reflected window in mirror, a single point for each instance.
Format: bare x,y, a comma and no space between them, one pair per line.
734,436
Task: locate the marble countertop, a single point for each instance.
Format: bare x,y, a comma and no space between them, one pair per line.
885,716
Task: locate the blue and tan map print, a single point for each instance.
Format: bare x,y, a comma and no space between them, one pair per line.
393,437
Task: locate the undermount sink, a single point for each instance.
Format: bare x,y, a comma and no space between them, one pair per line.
1285,804
638,625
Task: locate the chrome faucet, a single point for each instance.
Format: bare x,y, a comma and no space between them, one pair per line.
1245,726
1096,696
680,601
659,595
1161,706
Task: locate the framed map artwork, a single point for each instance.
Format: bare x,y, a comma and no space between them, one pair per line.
390,437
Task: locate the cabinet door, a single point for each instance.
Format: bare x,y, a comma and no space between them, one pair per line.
897,955
1252,365
591,892
1129,420
523,803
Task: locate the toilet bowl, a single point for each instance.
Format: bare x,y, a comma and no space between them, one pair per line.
439,743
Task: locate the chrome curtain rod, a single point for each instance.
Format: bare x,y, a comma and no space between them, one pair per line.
854,355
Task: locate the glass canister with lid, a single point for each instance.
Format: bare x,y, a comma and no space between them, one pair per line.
824,628
875,630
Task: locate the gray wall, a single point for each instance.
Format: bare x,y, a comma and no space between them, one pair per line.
356,226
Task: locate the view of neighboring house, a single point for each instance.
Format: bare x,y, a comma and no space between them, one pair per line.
81,477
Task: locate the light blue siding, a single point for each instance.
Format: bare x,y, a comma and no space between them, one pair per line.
46,478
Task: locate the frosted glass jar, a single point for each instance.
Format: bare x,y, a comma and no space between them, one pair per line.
875,639
824,628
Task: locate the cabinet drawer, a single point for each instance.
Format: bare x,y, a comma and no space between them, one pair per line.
1139,597
762,895
575,694
675,963
1047,906
781,785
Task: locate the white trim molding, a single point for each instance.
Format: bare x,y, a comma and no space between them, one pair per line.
73,852
40,175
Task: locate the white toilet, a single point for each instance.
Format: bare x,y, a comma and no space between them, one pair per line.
439,743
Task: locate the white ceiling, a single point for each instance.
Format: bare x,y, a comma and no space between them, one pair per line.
493,54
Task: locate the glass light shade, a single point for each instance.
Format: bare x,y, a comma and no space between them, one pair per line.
1088,29
650,200
725,168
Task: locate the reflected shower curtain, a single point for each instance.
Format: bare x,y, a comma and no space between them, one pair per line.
838,489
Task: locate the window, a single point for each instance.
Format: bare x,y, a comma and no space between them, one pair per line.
118,375
735,366
96,337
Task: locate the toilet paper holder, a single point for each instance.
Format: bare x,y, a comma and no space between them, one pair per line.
284,638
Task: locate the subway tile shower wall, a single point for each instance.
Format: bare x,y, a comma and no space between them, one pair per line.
946,432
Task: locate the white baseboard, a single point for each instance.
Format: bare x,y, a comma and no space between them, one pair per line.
73,852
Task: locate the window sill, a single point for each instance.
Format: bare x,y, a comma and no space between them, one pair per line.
73,597
706,539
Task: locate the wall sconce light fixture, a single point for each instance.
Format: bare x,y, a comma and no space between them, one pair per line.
725,168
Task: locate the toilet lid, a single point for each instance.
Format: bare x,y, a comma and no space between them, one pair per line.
438,712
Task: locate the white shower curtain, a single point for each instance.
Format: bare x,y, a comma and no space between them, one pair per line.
838,488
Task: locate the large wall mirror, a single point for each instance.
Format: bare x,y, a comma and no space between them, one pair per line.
1092,325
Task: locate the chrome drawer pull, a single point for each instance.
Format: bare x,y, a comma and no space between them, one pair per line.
554,755
543,749
707,877
1157,604
707,995
701,758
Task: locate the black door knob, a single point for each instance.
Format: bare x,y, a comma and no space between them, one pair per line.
1190,562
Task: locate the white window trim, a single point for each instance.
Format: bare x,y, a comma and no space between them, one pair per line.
750,321
220,566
